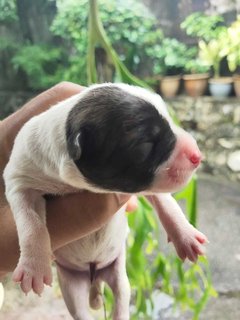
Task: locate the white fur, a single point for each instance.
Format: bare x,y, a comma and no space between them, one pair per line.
102,246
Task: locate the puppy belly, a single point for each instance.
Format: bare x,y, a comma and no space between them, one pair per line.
101,247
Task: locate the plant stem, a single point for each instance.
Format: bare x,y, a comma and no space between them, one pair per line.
97,35
216,68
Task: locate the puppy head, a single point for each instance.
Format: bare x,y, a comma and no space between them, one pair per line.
121,138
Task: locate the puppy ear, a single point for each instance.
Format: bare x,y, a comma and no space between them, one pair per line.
83,143
75,146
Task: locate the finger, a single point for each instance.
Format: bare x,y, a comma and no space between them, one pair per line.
47,279
198,249
121,199
201,238
132,204
192,256
66,89
181,253
26,283
182,256
37,285
17,275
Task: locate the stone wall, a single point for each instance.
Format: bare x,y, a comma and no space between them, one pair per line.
216,126
171,13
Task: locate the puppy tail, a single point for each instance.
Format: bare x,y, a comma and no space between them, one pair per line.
95,294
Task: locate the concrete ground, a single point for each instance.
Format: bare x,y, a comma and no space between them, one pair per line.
219,207
219,219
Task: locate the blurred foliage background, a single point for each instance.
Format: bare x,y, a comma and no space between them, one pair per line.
46,41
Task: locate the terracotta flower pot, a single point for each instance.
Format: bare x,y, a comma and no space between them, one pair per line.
236,84
195,84
169,86
220,87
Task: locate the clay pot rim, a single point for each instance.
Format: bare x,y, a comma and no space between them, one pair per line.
170,78
236,77
222,80
196,76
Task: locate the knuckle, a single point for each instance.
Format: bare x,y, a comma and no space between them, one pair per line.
62,85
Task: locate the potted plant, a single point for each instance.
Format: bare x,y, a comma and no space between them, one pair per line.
196,78
168,62
169,85
233,53
212,32
196,74
202,26
211,54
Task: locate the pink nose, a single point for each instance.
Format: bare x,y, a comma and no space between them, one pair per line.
195,158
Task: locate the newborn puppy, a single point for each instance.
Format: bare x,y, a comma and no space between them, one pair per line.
109,138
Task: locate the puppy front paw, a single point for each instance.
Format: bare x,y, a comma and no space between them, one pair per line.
33,273
189,243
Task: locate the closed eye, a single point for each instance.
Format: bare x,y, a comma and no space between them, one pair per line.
143,151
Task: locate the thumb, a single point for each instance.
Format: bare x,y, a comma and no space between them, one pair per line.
132,204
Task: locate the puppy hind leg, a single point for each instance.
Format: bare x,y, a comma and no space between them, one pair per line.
75,286
115,276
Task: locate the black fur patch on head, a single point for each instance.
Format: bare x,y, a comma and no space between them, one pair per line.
117,140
